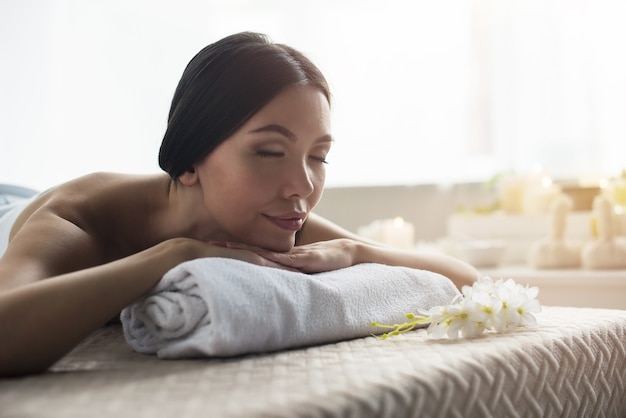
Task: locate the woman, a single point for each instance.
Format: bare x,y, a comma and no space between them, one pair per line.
246,143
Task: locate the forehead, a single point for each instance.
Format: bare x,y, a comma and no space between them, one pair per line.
296,105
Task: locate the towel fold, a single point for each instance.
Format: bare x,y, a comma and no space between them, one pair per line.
225,307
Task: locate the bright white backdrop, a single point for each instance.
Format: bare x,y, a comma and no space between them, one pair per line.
424,91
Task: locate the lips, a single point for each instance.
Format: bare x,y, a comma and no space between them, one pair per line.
289,221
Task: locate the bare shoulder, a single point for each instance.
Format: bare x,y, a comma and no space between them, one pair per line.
87,200
70,227
316,228
99,188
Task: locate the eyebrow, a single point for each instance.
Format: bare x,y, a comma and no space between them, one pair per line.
286,132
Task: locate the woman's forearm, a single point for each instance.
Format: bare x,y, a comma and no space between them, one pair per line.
456,270
41,322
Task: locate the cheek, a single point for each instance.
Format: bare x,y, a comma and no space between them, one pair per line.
318,179
322,178
255,186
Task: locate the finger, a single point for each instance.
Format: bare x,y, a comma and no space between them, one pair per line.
304,262
271,263
289,259
255,258
283,267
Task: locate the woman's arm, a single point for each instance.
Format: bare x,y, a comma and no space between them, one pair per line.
325,246
461,273
42,321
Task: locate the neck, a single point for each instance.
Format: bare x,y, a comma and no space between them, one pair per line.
184,214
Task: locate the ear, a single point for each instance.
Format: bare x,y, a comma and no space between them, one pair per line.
189,178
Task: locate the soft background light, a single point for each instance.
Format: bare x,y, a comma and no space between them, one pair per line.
424,91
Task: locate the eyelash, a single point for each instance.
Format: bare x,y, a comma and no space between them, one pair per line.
266,154
269,154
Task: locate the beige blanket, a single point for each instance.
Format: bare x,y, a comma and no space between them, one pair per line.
572,364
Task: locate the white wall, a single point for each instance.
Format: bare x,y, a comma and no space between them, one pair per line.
424,91
428,207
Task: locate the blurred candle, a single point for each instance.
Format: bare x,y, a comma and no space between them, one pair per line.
395,232
512,194
399,233
538,196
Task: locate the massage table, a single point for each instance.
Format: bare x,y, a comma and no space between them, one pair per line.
572,364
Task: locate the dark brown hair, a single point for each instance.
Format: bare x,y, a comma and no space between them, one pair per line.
222,87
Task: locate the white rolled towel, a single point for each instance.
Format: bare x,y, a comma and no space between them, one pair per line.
223,307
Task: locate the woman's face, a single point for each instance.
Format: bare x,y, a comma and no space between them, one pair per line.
260,184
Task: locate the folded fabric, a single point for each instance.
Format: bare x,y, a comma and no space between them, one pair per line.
224,307
10,209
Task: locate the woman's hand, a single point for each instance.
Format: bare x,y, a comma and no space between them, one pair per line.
244,252
338,253
310,258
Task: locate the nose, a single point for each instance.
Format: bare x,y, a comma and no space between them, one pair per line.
299,182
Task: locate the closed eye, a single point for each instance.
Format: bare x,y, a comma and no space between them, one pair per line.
266,154
320,159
